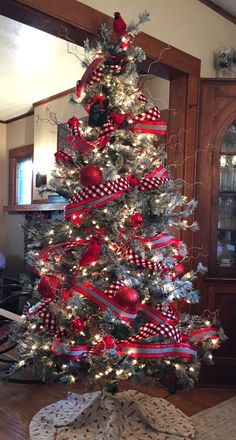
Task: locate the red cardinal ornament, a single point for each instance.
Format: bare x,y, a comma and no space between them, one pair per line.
136,219
127,298
119,26
90,175
49,286
92,252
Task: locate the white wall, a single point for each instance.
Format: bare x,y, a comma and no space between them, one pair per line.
45,132
185,24
18,134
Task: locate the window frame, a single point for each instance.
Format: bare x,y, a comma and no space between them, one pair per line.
17,155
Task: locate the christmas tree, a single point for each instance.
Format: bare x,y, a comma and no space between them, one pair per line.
110,281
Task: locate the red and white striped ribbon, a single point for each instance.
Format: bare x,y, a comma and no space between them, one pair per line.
98,195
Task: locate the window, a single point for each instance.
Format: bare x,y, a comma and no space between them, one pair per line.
226,248
20,175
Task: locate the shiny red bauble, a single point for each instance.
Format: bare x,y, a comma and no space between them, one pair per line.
127,298
49,287
179,268
90,175
76,220
77,325
136,219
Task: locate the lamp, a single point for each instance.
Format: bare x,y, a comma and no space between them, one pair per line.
40,180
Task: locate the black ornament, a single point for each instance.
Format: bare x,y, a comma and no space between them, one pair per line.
98,113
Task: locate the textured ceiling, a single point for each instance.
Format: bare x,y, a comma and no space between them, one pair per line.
228,5
34,65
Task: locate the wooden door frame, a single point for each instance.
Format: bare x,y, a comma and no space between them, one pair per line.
180,68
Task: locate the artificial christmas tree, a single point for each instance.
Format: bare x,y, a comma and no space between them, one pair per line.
110,281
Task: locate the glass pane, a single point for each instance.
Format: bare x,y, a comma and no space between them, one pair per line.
227,172
226,248
229,142
24,182
227,212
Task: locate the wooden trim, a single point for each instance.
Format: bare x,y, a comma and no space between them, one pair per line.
16,118
35,207
21,152
15,155
217,81
219,10
81,21
53,97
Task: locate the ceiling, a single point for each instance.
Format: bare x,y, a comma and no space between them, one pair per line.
227,5
34,65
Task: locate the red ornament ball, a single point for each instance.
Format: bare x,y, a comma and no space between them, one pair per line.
179,268
49,286
136,219
127,298
77,325
90,175
76,220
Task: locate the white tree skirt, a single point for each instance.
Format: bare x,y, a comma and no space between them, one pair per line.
128,415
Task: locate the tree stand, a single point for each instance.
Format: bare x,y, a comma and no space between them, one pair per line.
127,415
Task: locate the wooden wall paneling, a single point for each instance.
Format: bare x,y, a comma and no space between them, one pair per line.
176,126
181,139
204,176
189,163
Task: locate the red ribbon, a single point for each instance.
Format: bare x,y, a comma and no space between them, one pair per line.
98,195
152,351
80,143
147,351
143,122
158,241
203,333
89,76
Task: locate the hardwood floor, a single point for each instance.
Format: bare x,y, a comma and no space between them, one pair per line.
18,403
